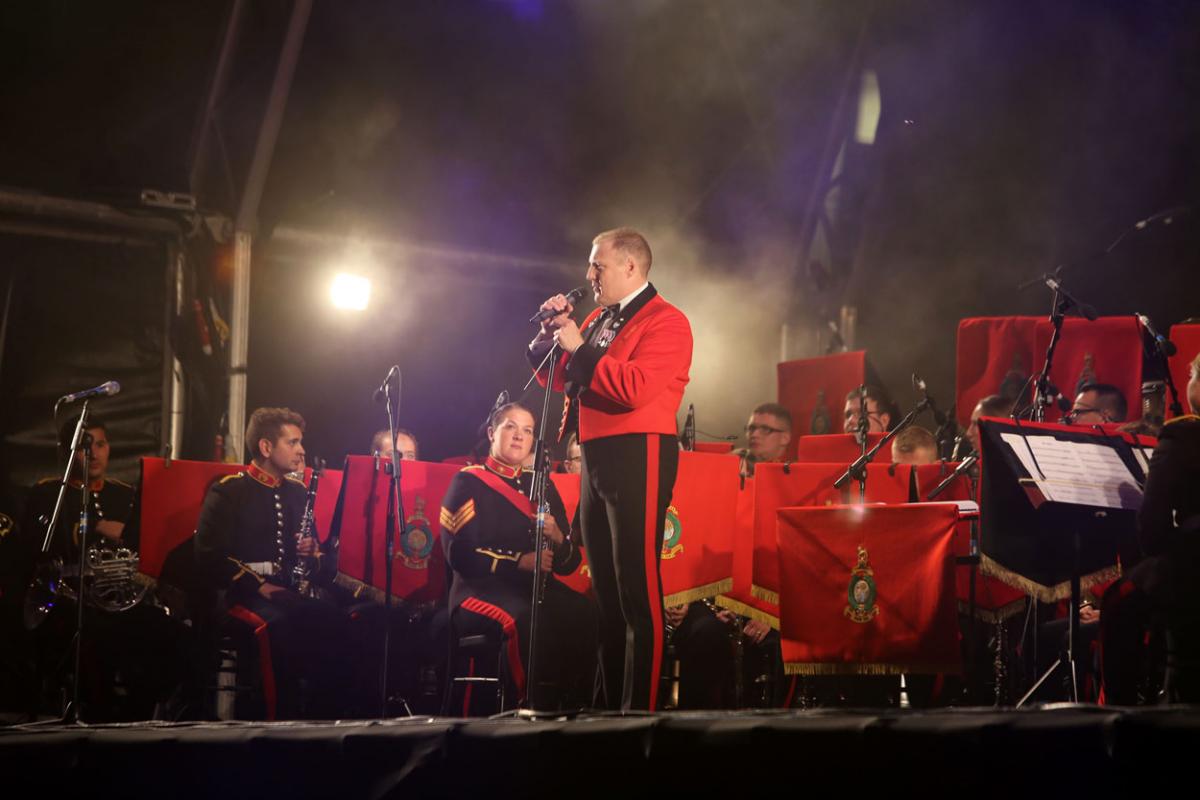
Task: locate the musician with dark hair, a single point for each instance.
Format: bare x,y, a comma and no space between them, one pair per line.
487,521
124,634
880,411
247,543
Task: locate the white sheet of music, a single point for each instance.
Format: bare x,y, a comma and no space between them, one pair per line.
1076,472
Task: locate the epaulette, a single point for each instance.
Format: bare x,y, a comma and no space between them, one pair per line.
1191,417
229,478
470,467
118,482
48,480
294,480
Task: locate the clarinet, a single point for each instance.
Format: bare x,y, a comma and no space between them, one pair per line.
302,569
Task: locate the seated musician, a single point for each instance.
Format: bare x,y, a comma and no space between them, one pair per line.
700,632
140,642
879,411
406,443
488,533
994,405
1161,587
914,445
1098,404
767,436
247,543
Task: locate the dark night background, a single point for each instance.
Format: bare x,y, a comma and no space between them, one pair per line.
464,153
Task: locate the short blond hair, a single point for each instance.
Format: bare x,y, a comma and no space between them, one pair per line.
913,438
629,242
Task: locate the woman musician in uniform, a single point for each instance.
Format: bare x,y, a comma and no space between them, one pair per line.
487,521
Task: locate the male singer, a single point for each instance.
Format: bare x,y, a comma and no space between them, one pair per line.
623,375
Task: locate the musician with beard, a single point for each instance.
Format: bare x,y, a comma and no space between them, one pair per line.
487,521
247,543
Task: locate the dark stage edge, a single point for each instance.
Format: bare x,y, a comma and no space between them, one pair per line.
1083,751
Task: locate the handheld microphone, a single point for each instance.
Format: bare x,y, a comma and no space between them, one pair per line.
381,392
103,390
1162,343
573,297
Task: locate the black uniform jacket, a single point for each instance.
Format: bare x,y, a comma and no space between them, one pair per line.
1172,497
250,519
488,524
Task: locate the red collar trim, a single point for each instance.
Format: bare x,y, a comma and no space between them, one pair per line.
263,477
500,468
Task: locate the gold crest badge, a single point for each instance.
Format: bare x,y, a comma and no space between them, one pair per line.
416,542
861,591
672,534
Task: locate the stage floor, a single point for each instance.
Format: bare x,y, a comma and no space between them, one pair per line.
1085,751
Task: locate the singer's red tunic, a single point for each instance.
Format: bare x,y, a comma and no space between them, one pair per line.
636,383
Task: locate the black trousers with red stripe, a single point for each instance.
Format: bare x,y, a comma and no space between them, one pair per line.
566,641
625,488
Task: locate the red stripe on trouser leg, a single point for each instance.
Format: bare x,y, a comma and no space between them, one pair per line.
512,643
263,639
653,587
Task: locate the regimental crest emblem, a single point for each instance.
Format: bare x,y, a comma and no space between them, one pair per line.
672,534
861,591
416,543
822,421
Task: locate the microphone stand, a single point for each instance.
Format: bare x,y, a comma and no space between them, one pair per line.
393,411
963,467
79,440
1042,387
537,494
858,470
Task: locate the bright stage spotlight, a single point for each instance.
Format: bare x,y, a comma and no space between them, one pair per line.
350,292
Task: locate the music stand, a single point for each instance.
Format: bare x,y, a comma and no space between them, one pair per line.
1058,505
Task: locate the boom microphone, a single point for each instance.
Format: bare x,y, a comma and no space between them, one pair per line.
103,390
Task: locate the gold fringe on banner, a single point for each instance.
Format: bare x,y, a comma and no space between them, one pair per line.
766,595
794,668
994,616
743,610
699,593
1045,594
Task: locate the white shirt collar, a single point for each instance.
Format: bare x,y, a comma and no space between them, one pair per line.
627,299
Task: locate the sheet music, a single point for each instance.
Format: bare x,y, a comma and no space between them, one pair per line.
1082,473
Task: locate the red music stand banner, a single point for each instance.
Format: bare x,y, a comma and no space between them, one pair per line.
814,391
740,598
1105,350
697,551
995,355
1187,347
783,485
568,489
172,493
329,488
869,590
418,565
